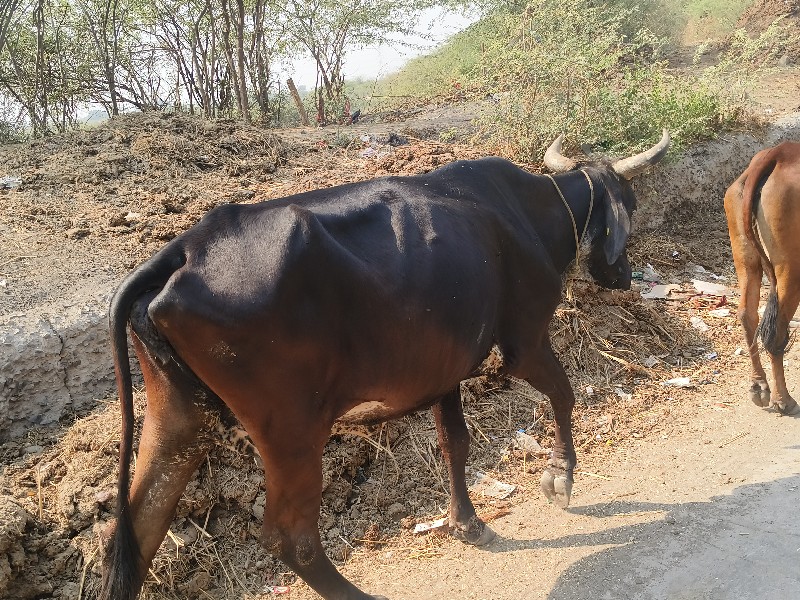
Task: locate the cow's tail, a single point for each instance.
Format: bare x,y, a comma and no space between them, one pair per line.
760,169
121,577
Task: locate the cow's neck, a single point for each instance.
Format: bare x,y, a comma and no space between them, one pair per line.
560,239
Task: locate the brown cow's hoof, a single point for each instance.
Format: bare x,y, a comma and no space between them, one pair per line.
760,394
557,488
788,407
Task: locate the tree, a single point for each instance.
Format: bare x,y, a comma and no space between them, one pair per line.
7,10
42,64
326,29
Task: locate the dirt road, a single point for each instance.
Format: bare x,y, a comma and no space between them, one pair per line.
704,509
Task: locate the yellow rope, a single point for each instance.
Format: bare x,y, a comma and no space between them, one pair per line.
578,241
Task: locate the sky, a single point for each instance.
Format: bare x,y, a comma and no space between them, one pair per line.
380,60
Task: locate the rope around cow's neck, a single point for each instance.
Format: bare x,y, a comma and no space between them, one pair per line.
578,241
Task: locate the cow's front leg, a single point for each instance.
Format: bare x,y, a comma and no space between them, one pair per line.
549,378
454,441
293,468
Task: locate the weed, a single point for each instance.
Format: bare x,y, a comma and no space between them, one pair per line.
448,136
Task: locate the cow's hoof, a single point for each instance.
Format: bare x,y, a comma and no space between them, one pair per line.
760,394
788,407
557,488
476,532
486,536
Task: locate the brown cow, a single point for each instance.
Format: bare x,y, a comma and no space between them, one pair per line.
764,227
360,303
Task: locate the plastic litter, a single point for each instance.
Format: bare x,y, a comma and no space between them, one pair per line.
699,324
650,274
650,362
277,590
489,487
9,182
430,525
704,271
680,382
660,292
720,312
712,289
623,395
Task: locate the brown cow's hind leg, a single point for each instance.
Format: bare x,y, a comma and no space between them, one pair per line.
293,467
454,441
788,299
749,272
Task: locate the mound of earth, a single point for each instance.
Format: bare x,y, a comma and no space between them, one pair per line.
762,13
94,203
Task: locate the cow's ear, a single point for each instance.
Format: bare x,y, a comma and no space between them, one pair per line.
618,222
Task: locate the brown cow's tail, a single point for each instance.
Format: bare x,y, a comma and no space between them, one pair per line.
121,577
760,169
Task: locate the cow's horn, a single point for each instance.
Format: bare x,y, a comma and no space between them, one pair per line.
555,161
633,166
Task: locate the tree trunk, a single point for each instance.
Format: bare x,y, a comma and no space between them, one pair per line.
228,49
245,101
298,102
109,30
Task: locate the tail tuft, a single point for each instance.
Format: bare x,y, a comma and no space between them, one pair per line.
774,340
120,567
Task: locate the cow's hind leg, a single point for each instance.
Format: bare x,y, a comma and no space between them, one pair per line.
775,330
548,377
749,272
173,443
454,441
293,468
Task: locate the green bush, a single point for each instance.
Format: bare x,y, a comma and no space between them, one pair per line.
593,69
575,66
449,67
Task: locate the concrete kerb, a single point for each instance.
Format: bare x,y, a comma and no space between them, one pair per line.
54,360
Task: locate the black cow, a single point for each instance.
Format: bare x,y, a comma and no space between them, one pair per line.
358,303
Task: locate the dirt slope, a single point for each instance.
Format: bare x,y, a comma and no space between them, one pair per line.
762,13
